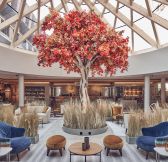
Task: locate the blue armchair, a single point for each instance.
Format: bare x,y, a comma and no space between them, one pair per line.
152,135
14,136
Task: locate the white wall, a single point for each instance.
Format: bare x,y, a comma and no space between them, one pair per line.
147,63
17,61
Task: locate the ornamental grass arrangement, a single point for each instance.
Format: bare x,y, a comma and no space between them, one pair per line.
75,118
140,119
106,106
30,122
6,114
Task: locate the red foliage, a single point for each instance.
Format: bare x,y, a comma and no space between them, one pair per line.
84,35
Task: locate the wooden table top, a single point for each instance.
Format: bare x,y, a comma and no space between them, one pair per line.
76,148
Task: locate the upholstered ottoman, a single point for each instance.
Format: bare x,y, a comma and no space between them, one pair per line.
112,142
56,142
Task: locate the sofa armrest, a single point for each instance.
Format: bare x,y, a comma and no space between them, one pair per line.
17,132
48,112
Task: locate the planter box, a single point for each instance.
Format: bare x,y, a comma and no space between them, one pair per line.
85,132
35,139
131,140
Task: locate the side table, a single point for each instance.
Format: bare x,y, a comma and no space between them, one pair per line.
5,151
160,151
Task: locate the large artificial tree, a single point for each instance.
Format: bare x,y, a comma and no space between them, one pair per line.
81,42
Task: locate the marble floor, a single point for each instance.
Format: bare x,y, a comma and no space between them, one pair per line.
37,152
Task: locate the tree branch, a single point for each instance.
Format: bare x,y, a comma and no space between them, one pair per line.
94,58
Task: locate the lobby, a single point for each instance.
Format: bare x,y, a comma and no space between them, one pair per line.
84,80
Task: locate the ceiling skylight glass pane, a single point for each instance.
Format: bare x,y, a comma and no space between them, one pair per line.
31,2
141,3
126,11
139,43
99,7
147,28
110,18
163,34
70,6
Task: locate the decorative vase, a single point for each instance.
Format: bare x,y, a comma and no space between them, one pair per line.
86,141
83,146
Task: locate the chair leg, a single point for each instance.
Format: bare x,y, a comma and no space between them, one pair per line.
48,151
64,148
60,150
120,150
147,155
107,151
126,130
17,157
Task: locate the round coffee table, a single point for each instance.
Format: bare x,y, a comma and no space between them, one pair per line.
160,151
94,150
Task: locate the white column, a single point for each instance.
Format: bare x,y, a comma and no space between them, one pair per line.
163,90
146,92
21,90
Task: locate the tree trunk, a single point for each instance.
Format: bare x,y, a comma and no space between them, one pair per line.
84,97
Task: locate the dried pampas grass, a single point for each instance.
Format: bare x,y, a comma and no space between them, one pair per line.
6,114
30,122
75,118
138,120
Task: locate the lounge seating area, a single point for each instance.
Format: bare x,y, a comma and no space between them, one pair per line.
54,143
43,112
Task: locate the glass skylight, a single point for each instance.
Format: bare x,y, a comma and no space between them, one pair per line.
143,32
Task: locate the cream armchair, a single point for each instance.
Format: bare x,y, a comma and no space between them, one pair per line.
45,116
